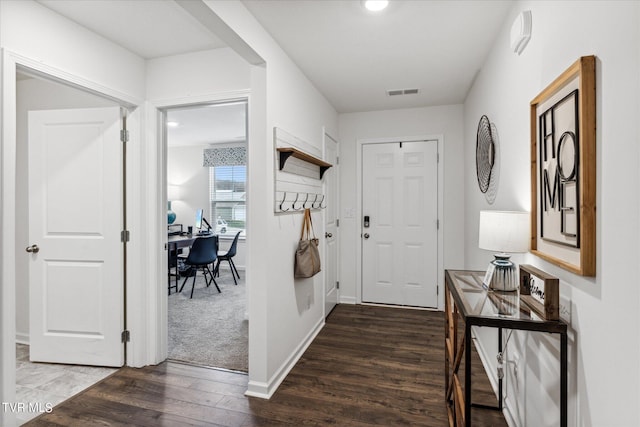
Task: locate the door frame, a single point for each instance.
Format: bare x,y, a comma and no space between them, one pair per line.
328,135
12,63
415,138
157,189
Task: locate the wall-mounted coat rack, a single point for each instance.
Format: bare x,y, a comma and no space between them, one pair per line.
295,201
298,176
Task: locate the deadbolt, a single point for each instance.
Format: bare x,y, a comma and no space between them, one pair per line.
33,249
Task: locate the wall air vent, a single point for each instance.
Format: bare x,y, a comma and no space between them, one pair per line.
396,92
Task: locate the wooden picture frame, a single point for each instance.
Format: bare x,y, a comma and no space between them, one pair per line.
563,170
549,308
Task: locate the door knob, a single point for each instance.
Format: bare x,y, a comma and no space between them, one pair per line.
366,235
33,249
328,235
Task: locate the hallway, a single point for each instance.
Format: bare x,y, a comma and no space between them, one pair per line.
368,366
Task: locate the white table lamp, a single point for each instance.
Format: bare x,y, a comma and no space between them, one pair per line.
504,232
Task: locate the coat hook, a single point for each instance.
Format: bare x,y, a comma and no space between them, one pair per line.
283,200
293,205
321,201
304,205
313,205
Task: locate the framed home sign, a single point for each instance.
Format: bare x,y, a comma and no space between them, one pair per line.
563,170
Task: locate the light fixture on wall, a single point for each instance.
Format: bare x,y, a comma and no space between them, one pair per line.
521,31
375,5
505,232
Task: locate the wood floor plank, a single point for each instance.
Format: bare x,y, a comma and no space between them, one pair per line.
369,366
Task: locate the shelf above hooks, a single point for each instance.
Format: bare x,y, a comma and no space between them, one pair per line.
286,152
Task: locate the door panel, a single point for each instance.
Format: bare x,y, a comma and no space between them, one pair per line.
75,216
331,227
399,248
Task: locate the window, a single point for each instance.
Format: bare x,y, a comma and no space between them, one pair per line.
228,197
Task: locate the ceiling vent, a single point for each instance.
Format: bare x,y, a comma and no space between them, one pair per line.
397,92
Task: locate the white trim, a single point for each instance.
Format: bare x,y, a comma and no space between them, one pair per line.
325,135
266,390
37,68
11,62
359,143
22,338
347,300
7,248
185,101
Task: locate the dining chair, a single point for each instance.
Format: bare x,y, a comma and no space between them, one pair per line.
203,252
228,256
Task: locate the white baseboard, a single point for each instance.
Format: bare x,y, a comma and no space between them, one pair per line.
22,338
265,390
347,300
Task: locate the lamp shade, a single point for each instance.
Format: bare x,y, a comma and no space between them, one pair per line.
504,231
174,192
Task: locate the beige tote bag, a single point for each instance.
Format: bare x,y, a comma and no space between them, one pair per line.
307,260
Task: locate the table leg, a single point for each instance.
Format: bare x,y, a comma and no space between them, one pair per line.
467,374
169,267
563,380
175,252
500,378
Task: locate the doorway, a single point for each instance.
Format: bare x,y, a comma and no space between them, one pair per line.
206,178
51,194
400,226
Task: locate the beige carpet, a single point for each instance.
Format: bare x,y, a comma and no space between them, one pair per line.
210,329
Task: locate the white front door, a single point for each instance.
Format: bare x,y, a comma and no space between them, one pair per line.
75,249
399,224
331,226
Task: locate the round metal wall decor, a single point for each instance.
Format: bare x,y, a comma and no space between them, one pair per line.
485,153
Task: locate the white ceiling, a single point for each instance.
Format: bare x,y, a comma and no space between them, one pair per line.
148,28
208,124
352,56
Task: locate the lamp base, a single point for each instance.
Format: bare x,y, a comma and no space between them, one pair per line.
505,274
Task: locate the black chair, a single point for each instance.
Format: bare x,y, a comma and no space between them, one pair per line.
204,251
228,256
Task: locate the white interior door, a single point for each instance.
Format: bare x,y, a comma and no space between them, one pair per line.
75,216
399,224
331,226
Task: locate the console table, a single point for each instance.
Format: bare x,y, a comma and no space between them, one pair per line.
467,299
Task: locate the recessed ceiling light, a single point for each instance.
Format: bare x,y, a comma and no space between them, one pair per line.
375,5
173,124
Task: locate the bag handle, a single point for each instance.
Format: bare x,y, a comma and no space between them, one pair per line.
311,224
307,226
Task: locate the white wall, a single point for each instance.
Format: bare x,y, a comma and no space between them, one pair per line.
197,74
32,34
185,170
446,121
36,32
35,94
604,343
294,309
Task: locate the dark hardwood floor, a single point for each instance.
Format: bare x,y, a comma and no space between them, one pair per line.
368,366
